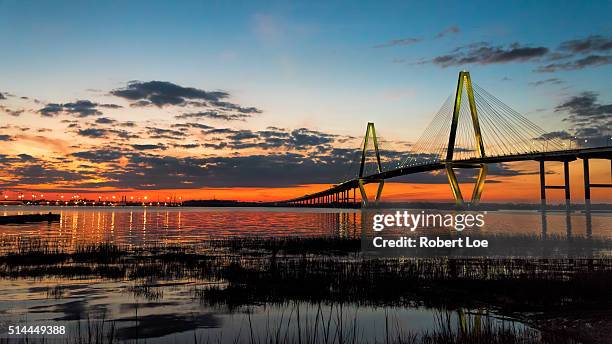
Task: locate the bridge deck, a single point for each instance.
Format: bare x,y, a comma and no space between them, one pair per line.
565,155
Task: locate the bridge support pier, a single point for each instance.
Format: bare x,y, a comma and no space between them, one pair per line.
587,181
364,197
565,186
478,187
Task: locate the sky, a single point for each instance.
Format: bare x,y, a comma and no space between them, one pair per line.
264,100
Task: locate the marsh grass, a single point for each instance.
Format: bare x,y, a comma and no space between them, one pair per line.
241,273
331,324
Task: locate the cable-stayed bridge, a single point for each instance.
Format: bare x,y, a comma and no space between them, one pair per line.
471,130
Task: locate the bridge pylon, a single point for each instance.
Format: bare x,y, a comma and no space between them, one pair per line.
465,81
370,131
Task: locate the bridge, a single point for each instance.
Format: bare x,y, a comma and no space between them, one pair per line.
465,135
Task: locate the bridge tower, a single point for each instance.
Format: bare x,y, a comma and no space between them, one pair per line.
370,131
465,81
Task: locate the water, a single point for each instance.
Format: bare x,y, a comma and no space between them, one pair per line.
170,310
141,226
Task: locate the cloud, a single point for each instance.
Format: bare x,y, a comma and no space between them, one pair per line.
42,173
215,115
162,93
105,120
146,171
2,96
591,121
551,81
99,156
451,30
4,137
10,112
97,133
588,61
398,42
191,125
161,133
149,147
233,107
585,105
79,108
301,139
186,145
559,135
93,132
587,45
484,53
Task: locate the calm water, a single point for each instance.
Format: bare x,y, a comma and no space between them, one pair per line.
169,311
140,226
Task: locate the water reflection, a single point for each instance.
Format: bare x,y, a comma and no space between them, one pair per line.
569,217
175,317
144,226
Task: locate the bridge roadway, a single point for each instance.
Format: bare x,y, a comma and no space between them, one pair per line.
564,155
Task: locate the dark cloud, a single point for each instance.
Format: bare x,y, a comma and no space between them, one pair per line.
186,146
398,42
162,93
2,96
588,61
220,131
79,108
93,132
152,172
99,156
593,43
161,133
4,137
571,55
191,125
146,171
301,139
149,147
25,169
590,120
11,112
484,53
51,109
560,135
585,105
215,115
242,135
110,106
233,107
32,174
105,120
451,30
551,81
